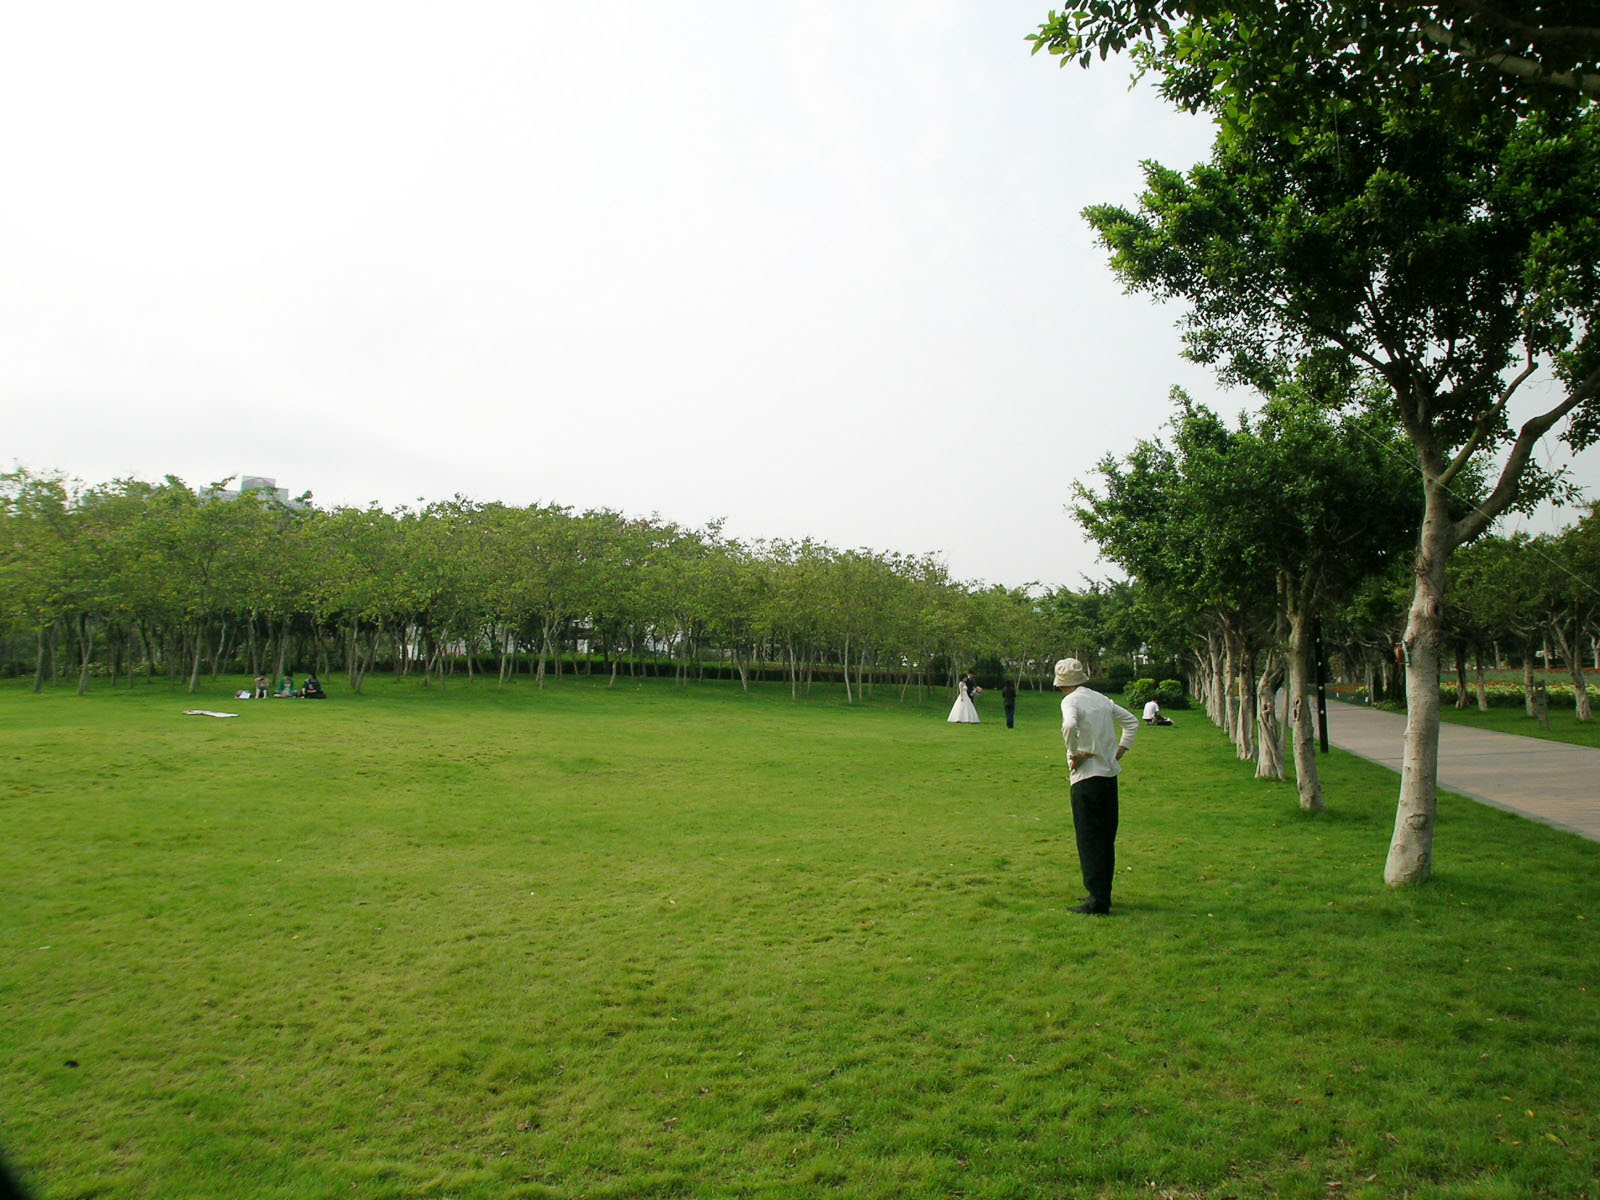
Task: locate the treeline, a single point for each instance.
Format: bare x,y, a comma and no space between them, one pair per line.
109,581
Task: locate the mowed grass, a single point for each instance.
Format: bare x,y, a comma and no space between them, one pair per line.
666,941
1564,724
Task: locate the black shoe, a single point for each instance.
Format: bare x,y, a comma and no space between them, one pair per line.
1092,908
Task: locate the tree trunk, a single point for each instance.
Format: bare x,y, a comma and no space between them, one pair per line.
1479,683
147,645
359,658
433,661
84,645
507,648
544,651
1269,737
222,648
1247,692
1527,676
1230,715
1581,692
1301,719
283,647
1461,675
1217,687
1571,649
1410,857
199,653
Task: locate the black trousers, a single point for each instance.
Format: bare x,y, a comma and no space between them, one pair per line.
1011,714
1094,821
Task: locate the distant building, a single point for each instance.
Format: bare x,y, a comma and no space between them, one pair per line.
256,483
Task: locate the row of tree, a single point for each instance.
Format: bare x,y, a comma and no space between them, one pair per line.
1536,598
1241,541
127,576
1249,543
1396,221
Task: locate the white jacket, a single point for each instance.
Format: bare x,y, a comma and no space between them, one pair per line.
1089,724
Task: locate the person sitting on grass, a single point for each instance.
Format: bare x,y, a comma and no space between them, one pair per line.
313,690
285,687
1152,714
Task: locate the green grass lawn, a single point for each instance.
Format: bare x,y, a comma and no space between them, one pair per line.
686,942
1564,723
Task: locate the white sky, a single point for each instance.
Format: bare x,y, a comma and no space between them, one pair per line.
814,266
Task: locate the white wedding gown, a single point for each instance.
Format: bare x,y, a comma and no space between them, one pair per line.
963,712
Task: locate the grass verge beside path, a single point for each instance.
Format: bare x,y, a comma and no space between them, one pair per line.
686,942
1564,723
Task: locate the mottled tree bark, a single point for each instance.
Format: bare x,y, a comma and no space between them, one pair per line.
1269,736
1411,848
1301,723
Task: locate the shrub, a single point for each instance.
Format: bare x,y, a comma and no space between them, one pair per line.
1501,695
1139,691
1510,695
1170,694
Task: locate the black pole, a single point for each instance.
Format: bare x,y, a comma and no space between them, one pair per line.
1322,683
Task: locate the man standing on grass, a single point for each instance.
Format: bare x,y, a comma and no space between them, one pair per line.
1089,724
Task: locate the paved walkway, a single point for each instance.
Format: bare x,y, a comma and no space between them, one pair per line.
1550,782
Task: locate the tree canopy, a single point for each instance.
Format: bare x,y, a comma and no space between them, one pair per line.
1251,54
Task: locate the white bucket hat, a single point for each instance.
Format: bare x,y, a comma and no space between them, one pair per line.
1070,673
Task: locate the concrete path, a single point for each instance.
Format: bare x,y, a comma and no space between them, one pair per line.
1550,782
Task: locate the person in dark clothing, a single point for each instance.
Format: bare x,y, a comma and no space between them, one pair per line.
312,690
1009,694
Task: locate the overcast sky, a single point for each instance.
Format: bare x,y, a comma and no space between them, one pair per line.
815,267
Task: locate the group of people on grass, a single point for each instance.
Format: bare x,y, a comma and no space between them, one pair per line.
1097,732
262,689
965,712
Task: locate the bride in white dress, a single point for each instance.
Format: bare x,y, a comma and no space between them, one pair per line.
963,712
